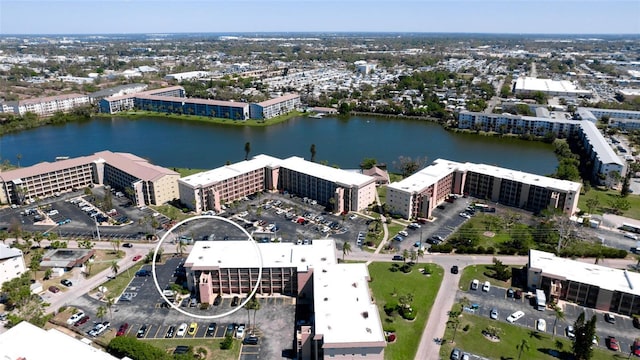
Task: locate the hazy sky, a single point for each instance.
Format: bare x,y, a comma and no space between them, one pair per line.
478,16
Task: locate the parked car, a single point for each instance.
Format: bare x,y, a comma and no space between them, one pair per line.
494,314
193,328
608,317
240,331
398,258
612,343
475,284
235,301
515,316
211,329
635,348
75,317
218,300
142,331
636,322
122,329
456,354
127,245
486,286
182,329
403,233
54,289
83,320
250,340
541,325
170,332
570,331
137,257
66,282
454,269
510,293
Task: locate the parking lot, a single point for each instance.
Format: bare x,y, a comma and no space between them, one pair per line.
496,298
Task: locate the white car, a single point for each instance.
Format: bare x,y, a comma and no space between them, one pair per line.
541,325
486,286
475,284
403,233
353,217
465,215
570,332
240,331
182,329
515,316
75,317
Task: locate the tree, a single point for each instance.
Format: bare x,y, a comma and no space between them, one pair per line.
408,166
313,152
252,304
619,205
624,191
180,247
115,267
523,346
405,255
101,312
121,346
346,249
558,314
593,204
247,150
109,304
503,272
454,322
19,157
584,331
3,236
368,163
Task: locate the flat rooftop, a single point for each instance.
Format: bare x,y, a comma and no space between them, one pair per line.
602,149
426,177
586,273
525,83
339,176
212,177
210,255
523,177
16,343
344,313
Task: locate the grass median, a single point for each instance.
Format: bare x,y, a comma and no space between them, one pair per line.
212,347
388,286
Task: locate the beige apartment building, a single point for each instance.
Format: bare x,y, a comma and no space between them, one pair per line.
48,106
150,184
417,195
344,190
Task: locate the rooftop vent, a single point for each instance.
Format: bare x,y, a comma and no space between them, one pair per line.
369,330
200,257
365,314
323,259
303,260
355,285
326,299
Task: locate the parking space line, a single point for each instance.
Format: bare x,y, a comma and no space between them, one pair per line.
157,331
146,336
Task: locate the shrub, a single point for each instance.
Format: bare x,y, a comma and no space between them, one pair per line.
227,343
466,328
390,307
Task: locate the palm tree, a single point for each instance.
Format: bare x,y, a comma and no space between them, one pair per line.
255,306
115,267
346,249
523,346
37,237
559,315
180,247
110,302
405,255
19,157
101,312
5,235
247,150
313,152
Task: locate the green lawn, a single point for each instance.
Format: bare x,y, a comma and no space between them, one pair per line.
212,346
171,212
478,272
604,196
382,194
187,171
473,341
387,286
116,286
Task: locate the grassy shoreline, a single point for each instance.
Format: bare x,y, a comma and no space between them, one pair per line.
204,119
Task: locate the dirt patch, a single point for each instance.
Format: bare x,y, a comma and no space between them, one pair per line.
489,234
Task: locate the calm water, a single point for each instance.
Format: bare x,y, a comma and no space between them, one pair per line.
341,142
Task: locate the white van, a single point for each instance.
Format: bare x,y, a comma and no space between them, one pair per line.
475,284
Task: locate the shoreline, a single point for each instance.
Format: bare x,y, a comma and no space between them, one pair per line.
203,119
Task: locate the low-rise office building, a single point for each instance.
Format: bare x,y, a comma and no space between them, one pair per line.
275,107
149,184
343,190
11,263
417,195
584,283
530,85
189,75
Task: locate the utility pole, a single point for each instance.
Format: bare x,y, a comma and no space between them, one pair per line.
97,229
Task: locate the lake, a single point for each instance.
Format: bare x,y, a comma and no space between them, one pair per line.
341,142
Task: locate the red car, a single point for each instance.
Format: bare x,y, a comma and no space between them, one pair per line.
636,347
137,257
54,289
82,320
122,329
613,344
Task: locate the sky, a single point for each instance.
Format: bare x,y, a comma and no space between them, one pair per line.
231,16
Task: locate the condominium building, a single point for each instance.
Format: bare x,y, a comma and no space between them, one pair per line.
343,190
11,263
598,150
125,98
625,124
614,113
417,195
120,90
274,107
584,283
47,106
201,107
149,184
345,321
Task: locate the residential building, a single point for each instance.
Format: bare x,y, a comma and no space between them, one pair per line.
275,107
530,85
11,263
190,106
149,184
381,175
48,106
584,283
417,195
344,190
625,124
614,113
599,152
189,75
119,90
345,321
125,98
14,345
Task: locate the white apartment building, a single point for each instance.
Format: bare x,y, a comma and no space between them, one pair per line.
274,107
614,113
11,263
48,106
417,195
210,189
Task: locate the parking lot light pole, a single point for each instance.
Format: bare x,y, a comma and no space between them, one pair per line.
97,229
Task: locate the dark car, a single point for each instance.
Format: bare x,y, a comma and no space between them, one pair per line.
211,329
398,257
231,328
83,320
518,294
636,322
122,329
143,273
54,289
454,269
218,300
142,331
251,340
170,332
511,293
66,282
235,301
127,245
